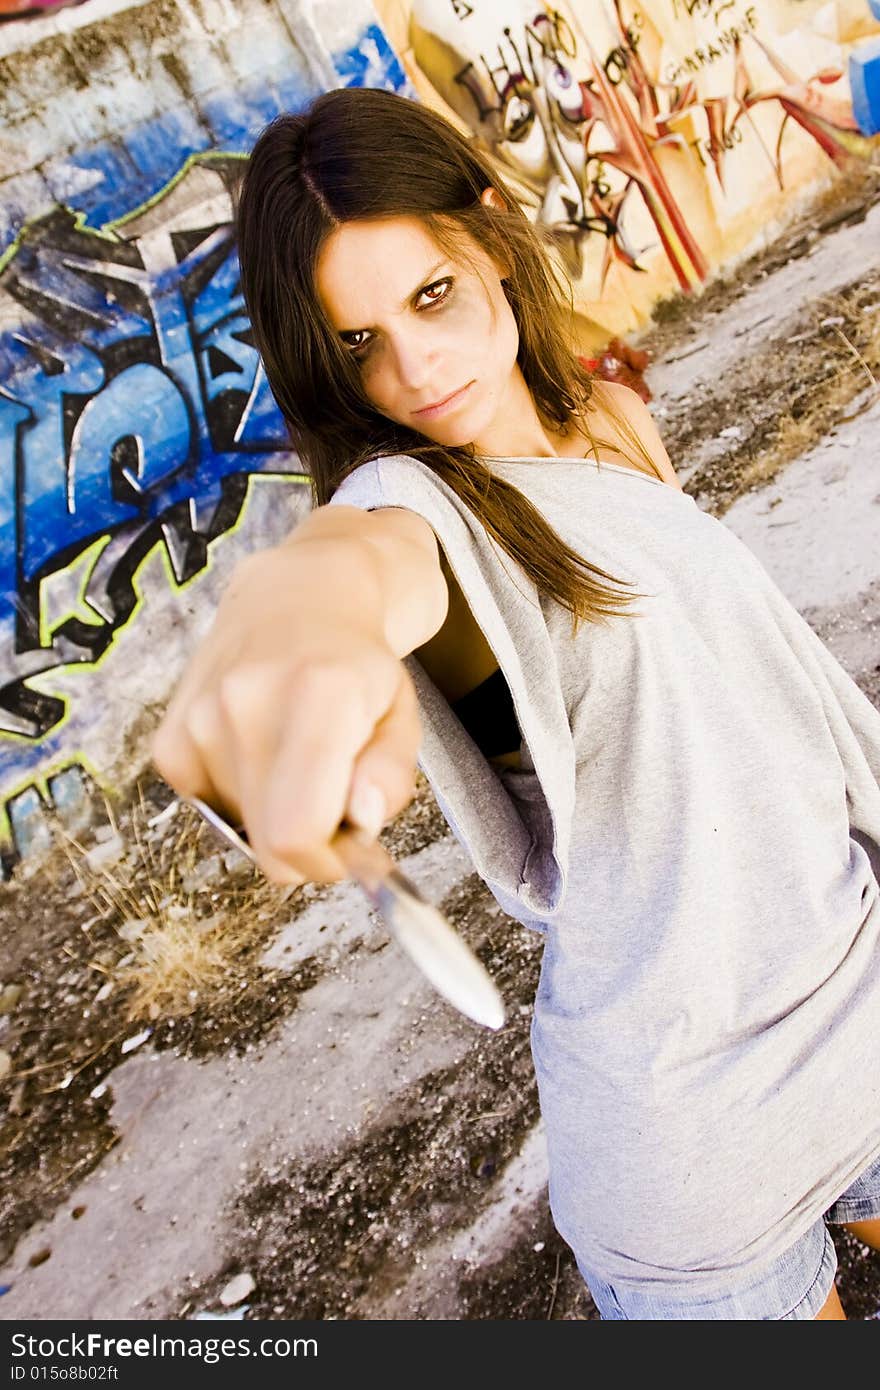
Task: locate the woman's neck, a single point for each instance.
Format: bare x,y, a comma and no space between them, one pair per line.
520,430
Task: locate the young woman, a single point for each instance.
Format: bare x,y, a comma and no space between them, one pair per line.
683,797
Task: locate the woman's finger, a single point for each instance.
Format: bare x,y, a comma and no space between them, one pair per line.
294,795
383,780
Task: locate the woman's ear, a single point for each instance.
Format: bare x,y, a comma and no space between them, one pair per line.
492,199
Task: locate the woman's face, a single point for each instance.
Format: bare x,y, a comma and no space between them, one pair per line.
420,326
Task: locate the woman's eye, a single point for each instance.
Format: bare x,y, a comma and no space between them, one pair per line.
358,349
429,289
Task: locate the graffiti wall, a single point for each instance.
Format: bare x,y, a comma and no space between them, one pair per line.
140,449
136,426
653,140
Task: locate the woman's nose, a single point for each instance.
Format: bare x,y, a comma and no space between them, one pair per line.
415,361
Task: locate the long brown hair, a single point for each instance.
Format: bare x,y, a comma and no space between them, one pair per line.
358,152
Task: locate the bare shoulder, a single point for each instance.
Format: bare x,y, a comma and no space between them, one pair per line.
377,522
614,400
408,525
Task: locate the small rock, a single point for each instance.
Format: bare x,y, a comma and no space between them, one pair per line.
175,912
166,814
131,1043
234,1315
5,1064
39,1257
133,928
106,988
9,997
77,1212
237,1289
16,1100
106,852
236,863
205,872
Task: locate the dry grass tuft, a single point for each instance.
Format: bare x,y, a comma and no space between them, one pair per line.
176,921
792,436
176,963
816,374
179,930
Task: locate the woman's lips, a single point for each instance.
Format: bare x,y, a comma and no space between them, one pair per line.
430,411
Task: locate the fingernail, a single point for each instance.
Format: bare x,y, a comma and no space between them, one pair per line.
367,808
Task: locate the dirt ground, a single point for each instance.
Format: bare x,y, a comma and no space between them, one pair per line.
166,1015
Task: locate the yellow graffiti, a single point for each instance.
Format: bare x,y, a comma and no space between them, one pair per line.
39,782
107,230
55,588
79,668
87,559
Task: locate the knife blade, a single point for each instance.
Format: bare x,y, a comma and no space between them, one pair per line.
418,927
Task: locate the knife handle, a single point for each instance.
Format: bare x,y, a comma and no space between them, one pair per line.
364,858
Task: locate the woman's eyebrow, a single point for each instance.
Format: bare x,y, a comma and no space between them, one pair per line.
425,280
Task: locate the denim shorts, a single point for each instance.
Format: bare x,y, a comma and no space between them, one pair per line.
795,1286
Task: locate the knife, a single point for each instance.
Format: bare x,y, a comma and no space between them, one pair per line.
422,931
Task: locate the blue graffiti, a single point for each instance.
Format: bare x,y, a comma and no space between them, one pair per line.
115,175
133,404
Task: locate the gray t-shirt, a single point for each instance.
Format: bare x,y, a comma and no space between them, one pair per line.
692,830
